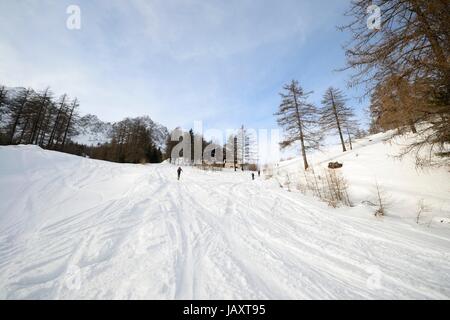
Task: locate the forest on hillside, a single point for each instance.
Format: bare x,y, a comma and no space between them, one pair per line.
37,117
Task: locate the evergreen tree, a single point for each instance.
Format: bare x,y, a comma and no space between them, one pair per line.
39,104
246,147
334,114
4,103
231,150
299,119
397,104
69,125
352,130
17,111
192,137
57,123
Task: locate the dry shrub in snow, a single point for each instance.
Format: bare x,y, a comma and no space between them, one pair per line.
288,182
330,186
380,201
337,188
268,171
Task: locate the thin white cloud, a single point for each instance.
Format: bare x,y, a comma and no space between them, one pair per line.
189,29
177,60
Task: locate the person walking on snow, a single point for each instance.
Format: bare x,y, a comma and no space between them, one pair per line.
253,176
179,172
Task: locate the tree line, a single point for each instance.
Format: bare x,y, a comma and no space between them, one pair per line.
31,117
37,117
132,141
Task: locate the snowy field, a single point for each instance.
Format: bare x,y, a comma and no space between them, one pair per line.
74,228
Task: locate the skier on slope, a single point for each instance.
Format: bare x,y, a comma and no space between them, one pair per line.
253,176
179,172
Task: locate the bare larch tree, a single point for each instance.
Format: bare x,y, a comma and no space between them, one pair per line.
298,118
412,47
334,114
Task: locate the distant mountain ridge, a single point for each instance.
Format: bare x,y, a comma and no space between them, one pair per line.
92,131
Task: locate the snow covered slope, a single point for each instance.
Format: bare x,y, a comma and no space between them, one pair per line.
77,228
373,160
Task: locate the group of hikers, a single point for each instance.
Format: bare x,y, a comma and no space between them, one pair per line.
179,170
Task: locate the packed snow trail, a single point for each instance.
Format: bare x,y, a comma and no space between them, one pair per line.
74,228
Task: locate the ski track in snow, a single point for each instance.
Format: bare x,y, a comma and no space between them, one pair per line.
93,230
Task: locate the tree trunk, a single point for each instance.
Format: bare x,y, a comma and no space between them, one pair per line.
18,115
52,135
349,139
432,38
44,131
41,129
300,127
34,130
23,131
337,122
305,161
68,124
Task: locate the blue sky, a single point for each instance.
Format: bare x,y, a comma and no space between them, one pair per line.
219,61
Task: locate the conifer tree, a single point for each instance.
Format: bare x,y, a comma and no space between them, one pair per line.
17,110
3,101
334,114
299,119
